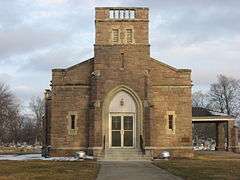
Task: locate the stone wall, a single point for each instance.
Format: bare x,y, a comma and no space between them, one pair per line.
70,94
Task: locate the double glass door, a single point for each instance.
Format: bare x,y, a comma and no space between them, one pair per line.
122,129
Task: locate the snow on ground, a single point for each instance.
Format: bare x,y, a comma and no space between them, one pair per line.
26,157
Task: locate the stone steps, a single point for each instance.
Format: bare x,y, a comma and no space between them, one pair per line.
124,154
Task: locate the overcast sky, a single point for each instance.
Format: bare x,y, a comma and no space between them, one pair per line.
38,35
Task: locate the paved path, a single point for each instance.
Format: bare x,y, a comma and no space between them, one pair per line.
132,170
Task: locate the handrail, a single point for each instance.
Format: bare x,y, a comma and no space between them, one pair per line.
141,145
103,142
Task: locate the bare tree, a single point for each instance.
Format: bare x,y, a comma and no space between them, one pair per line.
16,127
37,107
28,133
225,95
200,99
9,116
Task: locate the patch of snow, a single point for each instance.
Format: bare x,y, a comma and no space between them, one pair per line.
21,157
26,157
89,157
61,159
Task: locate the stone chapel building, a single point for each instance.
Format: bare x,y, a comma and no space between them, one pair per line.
122,103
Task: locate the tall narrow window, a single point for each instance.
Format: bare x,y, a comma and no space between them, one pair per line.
170,122
129,35
115,35
122,59
72,121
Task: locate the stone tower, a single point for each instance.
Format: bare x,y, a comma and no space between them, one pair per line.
121,50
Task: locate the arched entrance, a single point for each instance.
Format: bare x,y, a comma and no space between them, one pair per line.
122,119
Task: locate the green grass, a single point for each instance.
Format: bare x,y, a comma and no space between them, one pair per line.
48,170
205,166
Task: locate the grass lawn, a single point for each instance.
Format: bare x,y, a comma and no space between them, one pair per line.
205,166
48,170
18,150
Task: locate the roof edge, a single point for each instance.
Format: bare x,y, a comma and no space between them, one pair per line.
170,67
213,117
121,7
71,67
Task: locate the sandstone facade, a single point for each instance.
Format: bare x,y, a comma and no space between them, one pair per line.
78,104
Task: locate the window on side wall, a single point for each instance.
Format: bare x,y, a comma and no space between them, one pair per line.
72,118
170,118
170,122
73,121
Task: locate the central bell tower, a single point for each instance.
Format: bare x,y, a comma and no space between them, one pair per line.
121,58
121,38
121,26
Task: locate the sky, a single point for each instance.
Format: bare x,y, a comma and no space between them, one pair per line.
39,35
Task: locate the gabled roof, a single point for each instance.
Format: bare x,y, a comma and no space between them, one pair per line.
91,59
170,67
74,66
79,64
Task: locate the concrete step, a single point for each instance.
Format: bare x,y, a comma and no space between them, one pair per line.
124,154
126,158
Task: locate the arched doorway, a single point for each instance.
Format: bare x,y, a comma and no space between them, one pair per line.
122,119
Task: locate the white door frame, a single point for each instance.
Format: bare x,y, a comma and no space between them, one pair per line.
122,136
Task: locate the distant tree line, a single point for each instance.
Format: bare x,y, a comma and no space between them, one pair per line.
16,127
